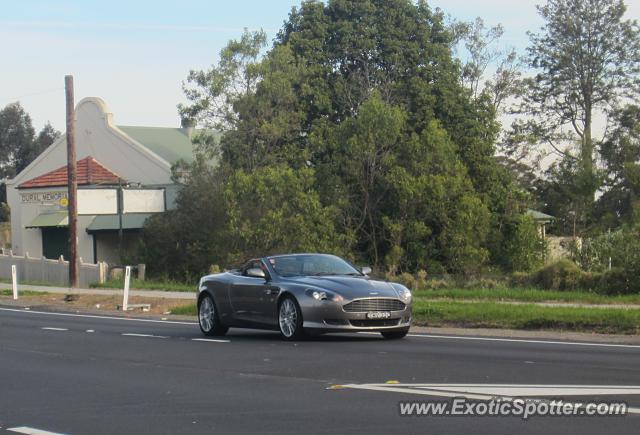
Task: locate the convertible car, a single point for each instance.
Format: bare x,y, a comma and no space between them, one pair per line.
299,294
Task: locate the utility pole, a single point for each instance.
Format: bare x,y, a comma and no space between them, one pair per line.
72,183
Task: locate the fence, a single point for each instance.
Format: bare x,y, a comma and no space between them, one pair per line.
50,272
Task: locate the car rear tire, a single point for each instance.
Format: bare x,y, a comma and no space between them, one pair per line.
290,319
395,335
208,318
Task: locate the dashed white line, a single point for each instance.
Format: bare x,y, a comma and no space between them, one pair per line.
50,328
91,316
131,334
31,431
213,340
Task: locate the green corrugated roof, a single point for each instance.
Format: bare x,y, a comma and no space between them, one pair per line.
172,144
111,222
55,219
539,216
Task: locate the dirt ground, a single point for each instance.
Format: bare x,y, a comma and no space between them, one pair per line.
95,303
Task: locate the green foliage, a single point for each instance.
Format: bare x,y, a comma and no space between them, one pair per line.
276,210
622,247
585,64
564,274
524,249
353,134
19,145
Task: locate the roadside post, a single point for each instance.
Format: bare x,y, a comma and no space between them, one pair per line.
14,281
127,281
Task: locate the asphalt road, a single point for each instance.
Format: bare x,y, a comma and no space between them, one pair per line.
93,375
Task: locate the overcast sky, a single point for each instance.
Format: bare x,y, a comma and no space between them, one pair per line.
134,54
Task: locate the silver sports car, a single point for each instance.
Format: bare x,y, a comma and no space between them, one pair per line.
302,293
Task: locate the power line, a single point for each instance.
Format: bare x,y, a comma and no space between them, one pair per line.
34,94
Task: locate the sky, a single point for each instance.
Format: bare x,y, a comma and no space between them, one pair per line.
135,54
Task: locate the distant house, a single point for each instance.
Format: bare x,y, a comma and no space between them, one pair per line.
124,176
541,221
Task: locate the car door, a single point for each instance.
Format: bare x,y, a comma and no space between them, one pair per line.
247,294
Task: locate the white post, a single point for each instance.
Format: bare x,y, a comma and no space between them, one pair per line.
127,279
14,281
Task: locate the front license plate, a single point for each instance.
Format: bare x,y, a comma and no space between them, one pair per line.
378,315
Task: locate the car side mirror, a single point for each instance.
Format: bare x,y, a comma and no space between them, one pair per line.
366,270
256,272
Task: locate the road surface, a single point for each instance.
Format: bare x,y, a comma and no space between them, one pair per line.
86,374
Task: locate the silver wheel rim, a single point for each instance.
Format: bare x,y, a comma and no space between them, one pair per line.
206,314
288,318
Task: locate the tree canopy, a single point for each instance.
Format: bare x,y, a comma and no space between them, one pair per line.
354,134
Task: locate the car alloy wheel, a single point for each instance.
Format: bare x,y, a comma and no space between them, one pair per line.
208,317
290,319
207,314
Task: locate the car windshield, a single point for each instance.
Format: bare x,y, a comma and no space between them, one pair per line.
312,265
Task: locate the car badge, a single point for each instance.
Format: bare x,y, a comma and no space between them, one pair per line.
373,293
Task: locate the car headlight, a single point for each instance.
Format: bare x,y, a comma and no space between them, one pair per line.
404,293
323,295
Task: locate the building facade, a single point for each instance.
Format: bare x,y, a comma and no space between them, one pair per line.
124,176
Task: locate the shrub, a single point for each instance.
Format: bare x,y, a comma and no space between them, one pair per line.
524,249
564,274
618,281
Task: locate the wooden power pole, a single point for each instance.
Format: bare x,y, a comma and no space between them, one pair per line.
72,183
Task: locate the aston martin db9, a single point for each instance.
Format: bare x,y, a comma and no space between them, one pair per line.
300,294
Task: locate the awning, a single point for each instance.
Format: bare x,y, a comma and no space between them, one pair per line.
54,219
111,222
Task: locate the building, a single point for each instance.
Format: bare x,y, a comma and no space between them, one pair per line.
124,176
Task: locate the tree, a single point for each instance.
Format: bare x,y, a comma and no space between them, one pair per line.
358,127
29,151
276,210
16,135
19,145
588,59
211,93
620,201
482,55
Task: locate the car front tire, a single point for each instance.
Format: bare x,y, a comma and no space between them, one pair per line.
395,335
209,319
290,319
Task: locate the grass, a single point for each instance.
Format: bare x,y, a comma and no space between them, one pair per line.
526,295
21,293
185,310
495,315
170,286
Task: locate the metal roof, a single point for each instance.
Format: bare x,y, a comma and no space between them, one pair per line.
111,222
54,219
172,144
539,216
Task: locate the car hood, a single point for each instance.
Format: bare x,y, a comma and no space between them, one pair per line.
348,286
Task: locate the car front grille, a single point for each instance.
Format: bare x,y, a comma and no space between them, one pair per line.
374,304
374,322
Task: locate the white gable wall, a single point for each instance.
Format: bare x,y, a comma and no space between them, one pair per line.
96,136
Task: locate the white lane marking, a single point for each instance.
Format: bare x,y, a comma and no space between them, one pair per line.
90,330
131,334
516,340
211,340
31,431
510,392
49,328
91,316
